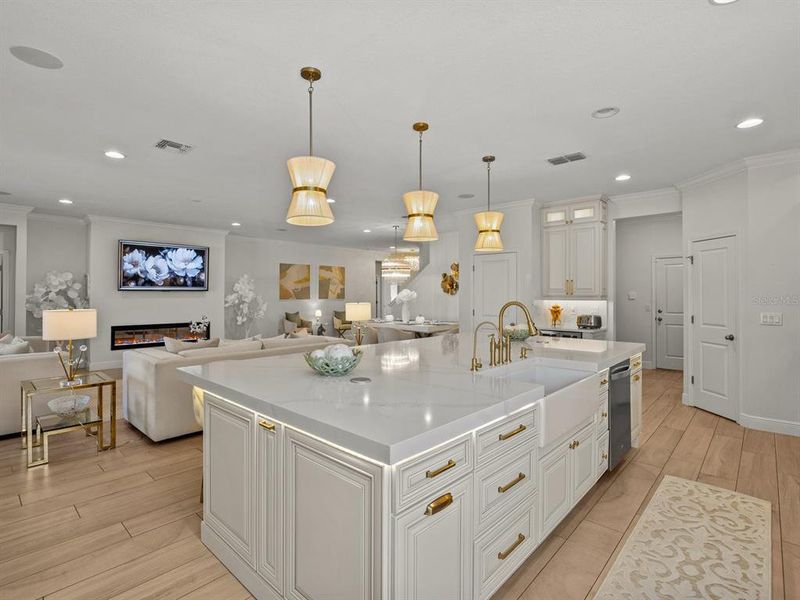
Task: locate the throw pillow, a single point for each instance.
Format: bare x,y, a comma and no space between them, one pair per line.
340,314
306,324
288,327
175,346
15,348
5,338
293,317
297,333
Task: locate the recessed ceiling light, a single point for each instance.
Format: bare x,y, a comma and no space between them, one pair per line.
331,201
114,154
236,224
367,230
751,122
65,201
605,113
622,177
36,57
721,2
466,196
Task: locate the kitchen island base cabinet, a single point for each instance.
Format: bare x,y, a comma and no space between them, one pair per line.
433,547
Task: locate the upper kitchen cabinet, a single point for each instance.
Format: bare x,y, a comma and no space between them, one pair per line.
574,249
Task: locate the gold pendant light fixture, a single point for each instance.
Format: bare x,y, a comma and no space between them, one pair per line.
489,221
420,205
310,174
395,266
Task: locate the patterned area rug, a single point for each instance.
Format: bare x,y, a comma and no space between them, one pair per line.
695,541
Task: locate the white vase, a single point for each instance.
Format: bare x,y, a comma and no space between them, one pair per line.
405,312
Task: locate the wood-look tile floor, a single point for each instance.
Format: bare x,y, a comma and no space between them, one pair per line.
125,523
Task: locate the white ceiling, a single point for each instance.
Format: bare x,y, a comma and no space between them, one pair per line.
515,79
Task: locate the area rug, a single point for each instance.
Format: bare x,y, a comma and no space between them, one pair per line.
695,541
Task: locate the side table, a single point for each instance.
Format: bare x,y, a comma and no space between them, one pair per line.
46,425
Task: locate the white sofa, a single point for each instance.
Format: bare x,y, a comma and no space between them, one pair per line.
159,404
18,367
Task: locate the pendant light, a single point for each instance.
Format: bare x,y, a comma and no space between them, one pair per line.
310,174
420,205
395,266
488,221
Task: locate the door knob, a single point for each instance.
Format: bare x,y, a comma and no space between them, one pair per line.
660,311
730,337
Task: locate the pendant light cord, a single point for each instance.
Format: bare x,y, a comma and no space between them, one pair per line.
311,118
488,186
420,160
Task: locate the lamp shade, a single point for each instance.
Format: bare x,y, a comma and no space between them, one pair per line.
317,313
489,223
310,178
420,205
69,324
358,311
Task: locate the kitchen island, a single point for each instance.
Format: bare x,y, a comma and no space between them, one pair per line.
426,481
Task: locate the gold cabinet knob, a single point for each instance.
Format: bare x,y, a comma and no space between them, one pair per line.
605,455
604,382
266,425
604,414
636,377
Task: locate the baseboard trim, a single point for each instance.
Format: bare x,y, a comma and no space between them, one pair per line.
647,364
771,425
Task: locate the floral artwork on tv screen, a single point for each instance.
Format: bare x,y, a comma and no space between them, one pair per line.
149,266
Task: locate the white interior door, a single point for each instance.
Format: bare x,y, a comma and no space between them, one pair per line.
714,293
495,283
669,313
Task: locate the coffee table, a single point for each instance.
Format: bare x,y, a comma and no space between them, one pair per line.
44,426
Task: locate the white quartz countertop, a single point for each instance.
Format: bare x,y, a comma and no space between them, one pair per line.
421,392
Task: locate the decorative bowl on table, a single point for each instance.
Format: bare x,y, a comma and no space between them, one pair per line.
67,406
334,361
517,333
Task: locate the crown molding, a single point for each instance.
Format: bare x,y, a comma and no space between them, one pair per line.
589,198
727,170
667,192
19,209
37,216
784,157
103,219
495,206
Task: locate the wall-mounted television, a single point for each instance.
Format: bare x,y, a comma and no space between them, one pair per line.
157,267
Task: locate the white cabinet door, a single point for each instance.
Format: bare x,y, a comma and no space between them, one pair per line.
583,463
586,260
229,482
558,215
494,282
333,522
636,408
555,482
269,484
587,212
555,260
434,545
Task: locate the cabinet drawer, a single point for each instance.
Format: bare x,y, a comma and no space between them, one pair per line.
636,363
602,455
504,547
601,421
423,475
504,484
602,381
508,434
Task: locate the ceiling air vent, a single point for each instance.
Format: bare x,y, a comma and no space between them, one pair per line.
171,146
562,160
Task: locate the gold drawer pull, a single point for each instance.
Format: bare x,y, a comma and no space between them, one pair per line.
504,436
604,414
605,455
431,474
504,488
572,445
638,363
439,504
266,425
507,552
636,377
604,382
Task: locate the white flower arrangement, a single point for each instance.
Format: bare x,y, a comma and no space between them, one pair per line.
200,327
248,306
55,291
404,297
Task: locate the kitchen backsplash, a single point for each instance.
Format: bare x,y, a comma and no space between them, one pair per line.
571,309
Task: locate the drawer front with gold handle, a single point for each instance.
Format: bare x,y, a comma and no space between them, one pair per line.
504,488
439,504
504,436
436,472
266,425
507,552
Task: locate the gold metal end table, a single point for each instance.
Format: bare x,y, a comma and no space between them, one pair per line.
46,425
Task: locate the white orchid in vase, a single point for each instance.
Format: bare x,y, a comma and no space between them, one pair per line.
248,306
404,297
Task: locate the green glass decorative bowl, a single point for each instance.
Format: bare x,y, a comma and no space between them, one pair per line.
517,334
333,367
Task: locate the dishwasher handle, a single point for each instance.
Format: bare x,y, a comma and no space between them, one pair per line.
621,373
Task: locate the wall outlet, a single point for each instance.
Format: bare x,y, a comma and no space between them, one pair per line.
772,318
632,295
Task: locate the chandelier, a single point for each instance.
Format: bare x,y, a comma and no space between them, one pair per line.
395,265
310,174
488,221
420,205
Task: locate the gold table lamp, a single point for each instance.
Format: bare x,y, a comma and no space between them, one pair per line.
68,325
356,312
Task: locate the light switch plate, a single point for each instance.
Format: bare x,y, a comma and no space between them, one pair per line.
632,295
772,318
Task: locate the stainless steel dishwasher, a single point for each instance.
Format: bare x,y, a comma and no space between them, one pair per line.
619,412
